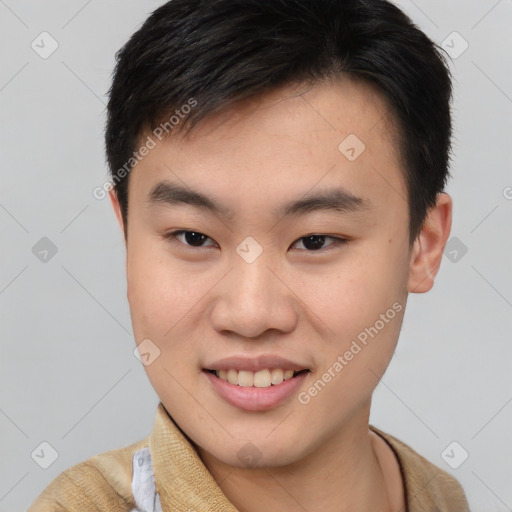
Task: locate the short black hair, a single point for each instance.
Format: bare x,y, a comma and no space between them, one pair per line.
215,52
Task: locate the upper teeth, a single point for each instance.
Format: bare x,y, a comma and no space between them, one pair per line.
259,379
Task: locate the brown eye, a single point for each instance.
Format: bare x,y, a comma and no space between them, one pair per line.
189,238
314,243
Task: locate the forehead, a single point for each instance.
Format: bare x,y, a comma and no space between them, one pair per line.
292,139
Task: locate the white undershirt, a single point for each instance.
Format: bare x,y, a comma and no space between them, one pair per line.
143,483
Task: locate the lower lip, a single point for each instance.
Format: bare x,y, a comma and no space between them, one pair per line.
253,398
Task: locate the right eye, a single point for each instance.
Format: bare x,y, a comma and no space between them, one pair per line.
188,238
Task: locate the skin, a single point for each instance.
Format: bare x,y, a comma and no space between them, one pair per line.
198,304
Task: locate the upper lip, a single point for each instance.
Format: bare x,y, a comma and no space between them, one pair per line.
255,364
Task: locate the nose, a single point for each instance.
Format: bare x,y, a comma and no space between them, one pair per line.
254,298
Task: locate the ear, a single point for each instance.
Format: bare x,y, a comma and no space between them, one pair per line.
117,208
428,247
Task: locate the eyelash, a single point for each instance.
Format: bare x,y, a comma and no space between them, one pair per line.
338,241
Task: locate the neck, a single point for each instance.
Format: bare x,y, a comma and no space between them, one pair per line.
342,474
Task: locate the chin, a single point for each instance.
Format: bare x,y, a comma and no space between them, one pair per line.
258,453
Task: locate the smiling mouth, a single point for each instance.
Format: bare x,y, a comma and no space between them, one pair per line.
260,379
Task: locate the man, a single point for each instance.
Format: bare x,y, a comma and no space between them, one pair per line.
278,172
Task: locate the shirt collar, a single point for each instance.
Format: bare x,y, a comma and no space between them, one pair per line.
181,478
184,483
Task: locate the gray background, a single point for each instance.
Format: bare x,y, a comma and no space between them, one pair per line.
68,373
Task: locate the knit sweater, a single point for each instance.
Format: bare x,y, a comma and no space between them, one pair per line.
183,483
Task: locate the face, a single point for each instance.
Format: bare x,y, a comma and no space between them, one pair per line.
263,278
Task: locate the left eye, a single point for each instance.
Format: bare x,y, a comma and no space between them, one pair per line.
311,242
314,242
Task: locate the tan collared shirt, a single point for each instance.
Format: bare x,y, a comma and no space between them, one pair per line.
172,470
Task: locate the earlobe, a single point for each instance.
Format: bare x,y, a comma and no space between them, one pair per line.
428,247
117,208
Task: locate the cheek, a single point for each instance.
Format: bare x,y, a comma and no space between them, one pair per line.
362,304
366,322
163,299
160,293
352,294
167,299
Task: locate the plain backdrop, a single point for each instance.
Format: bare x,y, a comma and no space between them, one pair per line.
68,374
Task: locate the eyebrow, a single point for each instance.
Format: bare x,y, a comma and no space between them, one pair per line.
336,199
